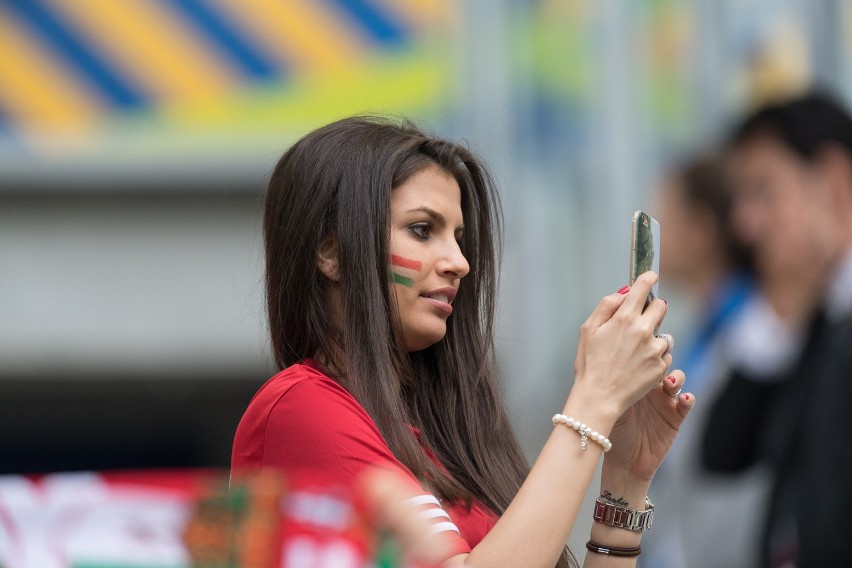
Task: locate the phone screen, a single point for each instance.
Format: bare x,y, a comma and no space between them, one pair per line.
645,248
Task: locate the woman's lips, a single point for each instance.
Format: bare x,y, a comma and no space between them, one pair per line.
440,304
441,299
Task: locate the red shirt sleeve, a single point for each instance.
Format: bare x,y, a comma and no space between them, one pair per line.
302,420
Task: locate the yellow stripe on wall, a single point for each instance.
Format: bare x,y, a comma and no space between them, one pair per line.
151,46
301,33
35,89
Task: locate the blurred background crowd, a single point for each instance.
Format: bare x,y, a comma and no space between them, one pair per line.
136,138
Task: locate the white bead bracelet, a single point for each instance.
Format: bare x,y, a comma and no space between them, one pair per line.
584,431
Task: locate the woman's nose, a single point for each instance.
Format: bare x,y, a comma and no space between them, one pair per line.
454,263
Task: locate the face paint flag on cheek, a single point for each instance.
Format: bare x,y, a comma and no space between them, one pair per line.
404,270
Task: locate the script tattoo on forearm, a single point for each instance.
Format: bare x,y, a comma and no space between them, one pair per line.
621,501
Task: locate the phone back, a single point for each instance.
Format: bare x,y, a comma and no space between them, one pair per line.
645,248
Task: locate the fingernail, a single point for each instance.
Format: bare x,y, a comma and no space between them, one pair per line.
664,300
686,397
623,290
671,379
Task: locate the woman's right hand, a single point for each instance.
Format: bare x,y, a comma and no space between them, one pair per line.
619,359
618,362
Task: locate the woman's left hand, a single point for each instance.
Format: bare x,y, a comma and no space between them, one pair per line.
643,435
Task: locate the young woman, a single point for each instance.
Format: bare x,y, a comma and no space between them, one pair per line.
380,256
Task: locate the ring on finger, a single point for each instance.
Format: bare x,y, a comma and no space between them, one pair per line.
677,394
670,340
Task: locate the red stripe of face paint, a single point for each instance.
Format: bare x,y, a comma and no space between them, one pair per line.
403,262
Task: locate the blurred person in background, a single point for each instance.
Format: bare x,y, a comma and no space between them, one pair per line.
381,251
702,258
788,398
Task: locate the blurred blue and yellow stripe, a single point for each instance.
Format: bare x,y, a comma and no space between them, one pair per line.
68,65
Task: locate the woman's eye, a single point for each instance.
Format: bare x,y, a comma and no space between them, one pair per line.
420,230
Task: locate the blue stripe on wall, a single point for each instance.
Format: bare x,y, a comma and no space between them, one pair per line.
378,25
72,49
250,59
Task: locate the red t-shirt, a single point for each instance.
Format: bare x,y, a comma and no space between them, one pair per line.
303,420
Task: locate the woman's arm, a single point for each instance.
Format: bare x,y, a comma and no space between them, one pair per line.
618,362
643,433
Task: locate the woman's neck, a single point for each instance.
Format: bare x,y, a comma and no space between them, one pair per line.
333,361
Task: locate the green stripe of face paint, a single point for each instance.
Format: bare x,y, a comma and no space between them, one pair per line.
405,281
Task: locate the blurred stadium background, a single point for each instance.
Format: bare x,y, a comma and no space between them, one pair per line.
136,137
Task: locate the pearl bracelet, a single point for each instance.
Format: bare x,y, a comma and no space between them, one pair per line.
584,431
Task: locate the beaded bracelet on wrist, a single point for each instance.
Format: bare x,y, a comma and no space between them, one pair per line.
586,433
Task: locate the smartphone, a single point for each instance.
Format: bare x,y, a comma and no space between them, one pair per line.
644,249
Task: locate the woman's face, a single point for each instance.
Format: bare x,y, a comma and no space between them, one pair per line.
426,262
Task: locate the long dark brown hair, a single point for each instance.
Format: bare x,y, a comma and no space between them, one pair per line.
336,183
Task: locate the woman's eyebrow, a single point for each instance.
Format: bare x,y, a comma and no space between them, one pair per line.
437,217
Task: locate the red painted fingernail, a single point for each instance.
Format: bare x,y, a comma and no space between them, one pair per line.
671,379
624,290
686,397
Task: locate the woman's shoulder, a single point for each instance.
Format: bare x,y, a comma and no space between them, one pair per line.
304,396
302,417
308,376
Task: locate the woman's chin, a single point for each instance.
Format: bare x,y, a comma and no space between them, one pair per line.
424,339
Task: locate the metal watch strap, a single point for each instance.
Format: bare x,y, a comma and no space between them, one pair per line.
622,517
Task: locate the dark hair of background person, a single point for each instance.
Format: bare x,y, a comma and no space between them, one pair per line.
805,125
336,183
706,183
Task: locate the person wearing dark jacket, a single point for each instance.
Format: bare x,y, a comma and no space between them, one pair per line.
787,402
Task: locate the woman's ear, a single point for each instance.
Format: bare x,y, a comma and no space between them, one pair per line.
327,259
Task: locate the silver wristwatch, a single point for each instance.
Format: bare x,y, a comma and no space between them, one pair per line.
622,517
